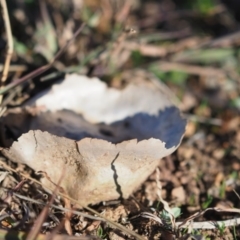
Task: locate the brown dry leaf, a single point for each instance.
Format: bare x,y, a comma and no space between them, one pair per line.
117,137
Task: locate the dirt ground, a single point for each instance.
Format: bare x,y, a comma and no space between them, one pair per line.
193,48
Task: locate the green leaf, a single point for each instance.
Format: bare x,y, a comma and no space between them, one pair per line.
19,47
176,212
205,56
207,202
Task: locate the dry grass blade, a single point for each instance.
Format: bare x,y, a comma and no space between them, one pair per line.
39,221
207,224
210,224
9,41
14,68
190,69
225,41
151,216
201,119
9,49
165,204
236,193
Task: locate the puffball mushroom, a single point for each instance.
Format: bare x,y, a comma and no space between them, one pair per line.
117,136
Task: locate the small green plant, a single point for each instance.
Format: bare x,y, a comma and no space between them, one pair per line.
195,232
236,102
221,228
175,77
222,190
234,175
137,58
184,231
205,6
207,202
166,216
207,238
100,233
192,200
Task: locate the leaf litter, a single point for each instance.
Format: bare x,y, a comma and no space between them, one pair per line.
205,166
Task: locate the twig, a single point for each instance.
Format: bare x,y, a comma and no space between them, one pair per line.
9,41
42,69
